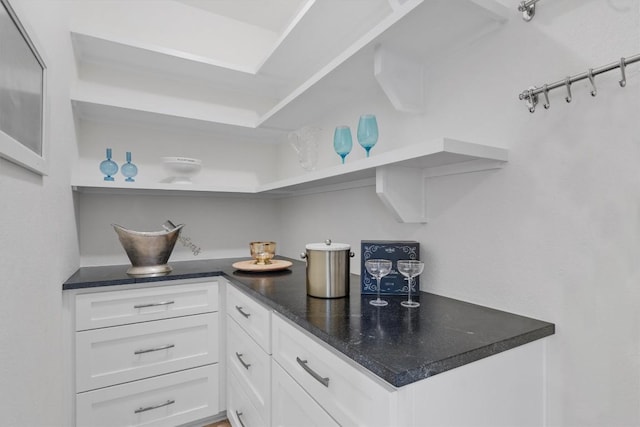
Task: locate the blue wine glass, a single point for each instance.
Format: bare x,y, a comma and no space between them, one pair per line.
367,131
342,141
129,169
108,167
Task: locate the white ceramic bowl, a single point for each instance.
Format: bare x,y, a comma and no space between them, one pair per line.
181,169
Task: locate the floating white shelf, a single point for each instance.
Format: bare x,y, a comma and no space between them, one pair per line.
392,171
294,86
419,30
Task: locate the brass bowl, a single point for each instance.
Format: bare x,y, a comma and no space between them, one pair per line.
262,252
148,251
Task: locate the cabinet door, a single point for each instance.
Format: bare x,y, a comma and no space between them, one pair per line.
240,410
120,307
252,316
125,353
292,406
164,401
352,396
251,365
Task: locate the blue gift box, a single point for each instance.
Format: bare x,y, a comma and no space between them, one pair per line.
394,283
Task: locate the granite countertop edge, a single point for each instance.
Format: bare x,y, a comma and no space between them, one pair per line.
395,377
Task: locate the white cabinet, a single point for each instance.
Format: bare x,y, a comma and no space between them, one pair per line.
248,361
341,388
251,316
251,365
292,406
125,353
147,355
506,389
97,310
168,400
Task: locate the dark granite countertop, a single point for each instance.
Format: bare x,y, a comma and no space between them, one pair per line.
398,344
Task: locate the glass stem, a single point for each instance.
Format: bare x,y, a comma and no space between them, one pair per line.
378,279
343,160
368,151
410,283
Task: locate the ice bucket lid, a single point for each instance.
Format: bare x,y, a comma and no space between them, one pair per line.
328,246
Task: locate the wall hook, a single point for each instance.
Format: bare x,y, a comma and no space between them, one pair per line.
545,91
622,82
567,84
528,9
530,96
530,99
594,91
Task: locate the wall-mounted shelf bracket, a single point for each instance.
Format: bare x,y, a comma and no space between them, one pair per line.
401,79
402,189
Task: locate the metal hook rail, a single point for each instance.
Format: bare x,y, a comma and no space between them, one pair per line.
528,9
530,96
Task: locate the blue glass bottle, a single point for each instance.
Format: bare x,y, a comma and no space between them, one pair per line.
108,167
129,169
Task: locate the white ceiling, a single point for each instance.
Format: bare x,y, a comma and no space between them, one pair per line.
273,15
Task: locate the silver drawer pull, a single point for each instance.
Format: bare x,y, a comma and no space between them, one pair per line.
149,350
148,408
154,304
242,311
244,364
239,414
322,380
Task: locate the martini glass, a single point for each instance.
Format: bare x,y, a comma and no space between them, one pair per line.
378,268
342,141
367,131
410,268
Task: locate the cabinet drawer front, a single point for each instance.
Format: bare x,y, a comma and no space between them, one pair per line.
292,406
124,353
240,410
251,365
348,394
254,318
102,309
167,400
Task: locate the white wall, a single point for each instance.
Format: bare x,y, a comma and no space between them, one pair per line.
554,234
221,227
39,245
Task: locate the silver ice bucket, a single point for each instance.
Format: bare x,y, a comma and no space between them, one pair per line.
148,251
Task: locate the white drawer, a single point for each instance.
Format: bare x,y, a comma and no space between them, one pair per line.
348,394
124,353
101,309
178,398
253,317
292,406
240,410
251,365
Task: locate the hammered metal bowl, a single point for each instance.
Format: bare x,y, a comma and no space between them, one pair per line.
148,251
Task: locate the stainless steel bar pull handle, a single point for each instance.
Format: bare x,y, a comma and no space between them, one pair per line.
322,380
149,408
154,304
149,350
245,314
244,364
239,416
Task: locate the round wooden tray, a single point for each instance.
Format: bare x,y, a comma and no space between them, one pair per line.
250,265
